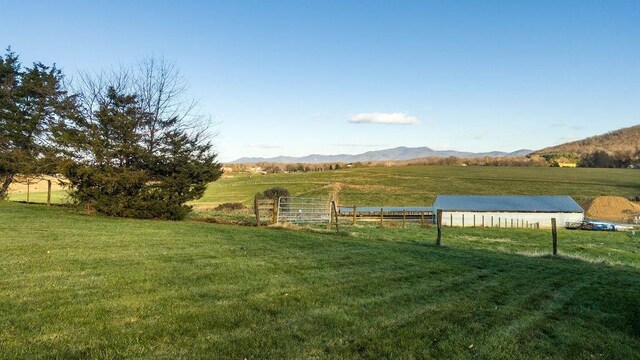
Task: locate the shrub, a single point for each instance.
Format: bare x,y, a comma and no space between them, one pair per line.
275,193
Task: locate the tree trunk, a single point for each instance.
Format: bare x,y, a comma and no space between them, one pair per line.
8,179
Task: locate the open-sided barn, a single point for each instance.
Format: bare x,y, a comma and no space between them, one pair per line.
507,210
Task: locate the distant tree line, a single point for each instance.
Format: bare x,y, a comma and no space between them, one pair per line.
601,159
275,168
128,141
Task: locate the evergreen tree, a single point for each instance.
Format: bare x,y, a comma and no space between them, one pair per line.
32,102
127,158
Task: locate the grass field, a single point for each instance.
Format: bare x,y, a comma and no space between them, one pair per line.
408,185
75,287
418,185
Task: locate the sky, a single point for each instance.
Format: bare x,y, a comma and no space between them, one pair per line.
331,77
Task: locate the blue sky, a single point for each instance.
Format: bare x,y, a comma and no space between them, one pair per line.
301,77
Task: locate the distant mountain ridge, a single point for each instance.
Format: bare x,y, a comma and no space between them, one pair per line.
398,153
622,140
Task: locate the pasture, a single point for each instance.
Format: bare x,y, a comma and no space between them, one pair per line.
405,185
75,286
418,185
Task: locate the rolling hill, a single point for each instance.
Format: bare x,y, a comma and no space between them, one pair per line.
626,140
398,153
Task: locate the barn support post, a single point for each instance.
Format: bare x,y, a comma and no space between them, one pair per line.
554,236
439,235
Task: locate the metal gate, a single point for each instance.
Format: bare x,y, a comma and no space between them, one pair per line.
301,210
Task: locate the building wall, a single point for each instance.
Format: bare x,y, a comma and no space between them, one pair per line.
506,219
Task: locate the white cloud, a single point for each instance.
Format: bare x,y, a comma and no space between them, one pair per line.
397,118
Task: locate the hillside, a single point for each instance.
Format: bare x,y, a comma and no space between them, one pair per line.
398,153
626,140
84,287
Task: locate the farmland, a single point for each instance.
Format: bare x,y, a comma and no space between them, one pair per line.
75,286
409,185
418,185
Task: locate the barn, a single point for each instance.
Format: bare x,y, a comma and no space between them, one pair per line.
517,211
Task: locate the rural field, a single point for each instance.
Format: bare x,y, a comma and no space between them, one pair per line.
76,286
406,185
418,185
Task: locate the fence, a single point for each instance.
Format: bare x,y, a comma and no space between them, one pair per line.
415,214
266,210
301,210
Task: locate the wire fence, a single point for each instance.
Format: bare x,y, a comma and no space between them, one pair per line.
302,210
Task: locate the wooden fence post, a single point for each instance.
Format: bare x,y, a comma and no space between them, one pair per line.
48,192
422,220
474,220
451,220
354,214
275,210
492,221
462,219
439,220
404,217
28,189
256,209
483,221
554,236
334,209
381,217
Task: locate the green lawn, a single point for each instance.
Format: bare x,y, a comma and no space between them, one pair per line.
418,185
74,286
57,197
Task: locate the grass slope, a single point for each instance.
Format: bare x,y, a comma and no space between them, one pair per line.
74,286
418,185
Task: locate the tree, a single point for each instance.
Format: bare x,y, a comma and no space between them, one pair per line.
32,102
597,159
275,193
134,150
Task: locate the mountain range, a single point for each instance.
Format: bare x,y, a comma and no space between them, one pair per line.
398,153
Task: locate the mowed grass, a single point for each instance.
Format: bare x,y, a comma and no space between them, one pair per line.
418,185
74,286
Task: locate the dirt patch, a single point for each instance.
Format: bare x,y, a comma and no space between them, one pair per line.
612,208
